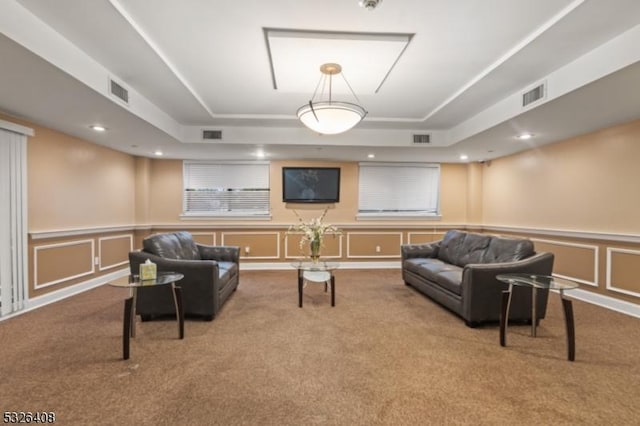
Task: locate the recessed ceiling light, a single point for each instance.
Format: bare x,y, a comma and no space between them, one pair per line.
371,156
158,153
98,128
464,157
260,153
524,136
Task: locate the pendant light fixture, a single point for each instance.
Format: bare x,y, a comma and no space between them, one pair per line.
325,115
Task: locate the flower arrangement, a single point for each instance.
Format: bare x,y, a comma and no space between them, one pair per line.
313,233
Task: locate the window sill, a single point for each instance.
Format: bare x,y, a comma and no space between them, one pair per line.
396,216
187,216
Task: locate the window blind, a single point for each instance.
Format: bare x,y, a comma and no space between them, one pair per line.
222,189
400,188
13,219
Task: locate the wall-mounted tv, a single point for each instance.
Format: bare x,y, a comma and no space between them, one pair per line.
310,184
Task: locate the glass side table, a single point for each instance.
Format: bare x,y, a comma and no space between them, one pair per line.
317,272
129,322
535,282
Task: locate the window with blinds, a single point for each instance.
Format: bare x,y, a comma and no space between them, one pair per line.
398,189
226,189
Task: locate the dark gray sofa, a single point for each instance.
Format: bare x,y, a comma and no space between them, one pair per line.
459,272
211,275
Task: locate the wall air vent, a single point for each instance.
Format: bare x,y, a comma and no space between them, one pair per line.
421,139
212,134
533,95
118,91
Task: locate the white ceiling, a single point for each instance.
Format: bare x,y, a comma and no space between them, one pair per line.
453,69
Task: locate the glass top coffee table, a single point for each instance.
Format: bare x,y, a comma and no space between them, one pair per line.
317,272
536,282
129,322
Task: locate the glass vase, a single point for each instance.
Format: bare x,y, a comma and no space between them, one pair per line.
315,250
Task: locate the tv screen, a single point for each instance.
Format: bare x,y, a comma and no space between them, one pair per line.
310,184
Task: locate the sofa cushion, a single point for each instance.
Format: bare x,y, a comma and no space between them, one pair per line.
226,271
177,245
507,250
189,247
461,248
450,280
473,248
435,270
450,246
415,264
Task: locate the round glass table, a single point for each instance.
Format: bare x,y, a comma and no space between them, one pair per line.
134,283
319,271
536,282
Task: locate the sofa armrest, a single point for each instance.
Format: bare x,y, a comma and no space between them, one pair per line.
410,251
481,291
220,253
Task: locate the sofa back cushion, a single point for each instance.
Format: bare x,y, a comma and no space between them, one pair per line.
507,250
473,249
450,246
177,245
460,248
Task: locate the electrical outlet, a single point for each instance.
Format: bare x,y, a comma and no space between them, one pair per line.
247,250
96,260
377,249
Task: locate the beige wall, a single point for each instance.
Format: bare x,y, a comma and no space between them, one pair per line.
74,184
588,183
166,195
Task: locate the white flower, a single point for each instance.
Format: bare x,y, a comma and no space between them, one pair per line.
314,230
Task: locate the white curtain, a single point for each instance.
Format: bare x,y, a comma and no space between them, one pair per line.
13,220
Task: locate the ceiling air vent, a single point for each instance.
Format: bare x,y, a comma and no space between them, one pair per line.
421,139
212,134
533,95
118,91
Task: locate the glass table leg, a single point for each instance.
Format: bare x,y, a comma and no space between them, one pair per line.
177,300
504,318
570,325
127,326
534,299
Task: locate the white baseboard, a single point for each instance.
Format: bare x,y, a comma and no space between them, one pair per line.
607,302
55,296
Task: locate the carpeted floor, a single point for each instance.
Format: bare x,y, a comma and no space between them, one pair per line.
384,355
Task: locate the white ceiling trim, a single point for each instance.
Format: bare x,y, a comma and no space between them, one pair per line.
504,58
24,28
118,6
596,64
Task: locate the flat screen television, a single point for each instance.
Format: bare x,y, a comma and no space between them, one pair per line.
310,184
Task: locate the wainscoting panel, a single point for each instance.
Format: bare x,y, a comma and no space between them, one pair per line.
114,251
577,262
424,237
56,263
254,245
331,247
373,244
204,238
623,270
